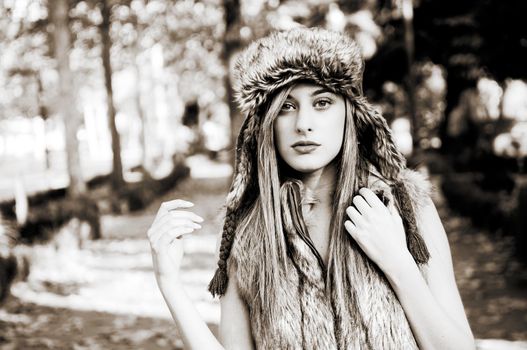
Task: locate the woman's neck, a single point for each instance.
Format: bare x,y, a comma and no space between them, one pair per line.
321,183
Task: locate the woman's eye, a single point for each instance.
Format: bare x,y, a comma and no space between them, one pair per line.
287,106
322,103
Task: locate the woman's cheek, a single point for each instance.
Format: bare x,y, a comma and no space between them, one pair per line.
282,136
285,152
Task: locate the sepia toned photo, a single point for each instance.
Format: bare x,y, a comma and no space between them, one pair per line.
263,174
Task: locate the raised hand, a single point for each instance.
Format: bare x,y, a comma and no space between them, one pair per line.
378,230
170,224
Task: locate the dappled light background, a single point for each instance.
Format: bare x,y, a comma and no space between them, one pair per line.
110,107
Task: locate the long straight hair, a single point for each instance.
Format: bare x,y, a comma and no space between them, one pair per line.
264,218
352,174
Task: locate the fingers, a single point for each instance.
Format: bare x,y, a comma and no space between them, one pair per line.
352,229
354,215
173,221
167,234
164,217
370,197
178,215
169,221
182,214
361,204
173,205
176,204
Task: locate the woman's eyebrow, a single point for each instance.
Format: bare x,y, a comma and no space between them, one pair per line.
314,93
320,91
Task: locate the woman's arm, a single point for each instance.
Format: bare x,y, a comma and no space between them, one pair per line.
193,330
434,310
235,327
170,224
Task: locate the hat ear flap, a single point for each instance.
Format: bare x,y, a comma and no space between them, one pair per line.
243,172
244,180
376,142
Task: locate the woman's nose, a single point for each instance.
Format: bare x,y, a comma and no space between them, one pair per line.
303,121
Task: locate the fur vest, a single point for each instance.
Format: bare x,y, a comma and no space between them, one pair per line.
307,316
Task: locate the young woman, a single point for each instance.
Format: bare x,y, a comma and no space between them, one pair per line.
329,242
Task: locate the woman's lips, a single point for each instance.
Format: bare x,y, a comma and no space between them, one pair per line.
305,149
305,146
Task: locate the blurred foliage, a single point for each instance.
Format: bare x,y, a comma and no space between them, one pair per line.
51,209
466,38
185,48
467,195
472,38
189,32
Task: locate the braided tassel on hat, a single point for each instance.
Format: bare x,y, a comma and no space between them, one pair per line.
239,197
415,243
218,284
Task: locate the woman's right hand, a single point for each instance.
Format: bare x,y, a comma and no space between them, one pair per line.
170,223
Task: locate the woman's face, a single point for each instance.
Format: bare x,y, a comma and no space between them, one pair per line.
309,128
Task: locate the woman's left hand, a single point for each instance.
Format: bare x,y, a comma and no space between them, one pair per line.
378,230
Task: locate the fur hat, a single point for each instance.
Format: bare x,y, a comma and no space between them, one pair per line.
326,58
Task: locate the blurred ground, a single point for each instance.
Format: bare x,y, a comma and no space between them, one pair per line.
104,296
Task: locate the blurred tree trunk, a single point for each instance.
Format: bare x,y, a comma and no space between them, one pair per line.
231,44
58,11
140,112
137,97
43,112
409,43
117,171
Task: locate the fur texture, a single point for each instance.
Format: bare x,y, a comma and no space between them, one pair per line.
324,57
306,318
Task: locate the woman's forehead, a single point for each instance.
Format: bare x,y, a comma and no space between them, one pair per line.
308,89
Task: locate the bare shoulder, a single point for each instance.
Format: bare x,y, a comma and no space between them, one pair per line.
420,190
419,187
432,230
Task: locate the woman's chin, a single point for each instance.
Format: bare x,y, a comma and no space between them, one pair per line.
307,168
